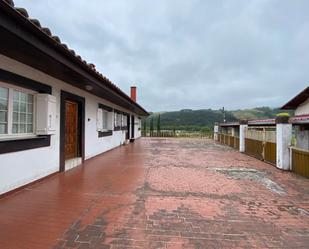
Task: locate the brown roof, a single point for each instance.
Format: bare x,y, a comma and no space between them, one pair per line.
262,122
300,119
55,39
229,124
297,100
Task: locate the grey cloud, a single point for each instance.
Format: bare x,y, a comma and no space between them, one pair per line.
189,54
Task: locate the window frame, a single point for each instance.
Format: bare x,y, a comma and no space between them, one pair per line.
115,119
106,132
10,135
124,120
106,121
24,143
119,120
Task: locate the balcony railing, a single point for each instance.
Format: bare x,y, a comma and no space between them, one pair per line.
300,161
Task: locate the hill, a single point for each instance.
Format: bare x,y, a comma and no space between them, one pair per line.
257,113
188,119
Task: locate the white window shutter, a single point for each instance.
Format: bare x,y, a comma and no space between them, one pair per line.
110,121
99,119
46,113
105,120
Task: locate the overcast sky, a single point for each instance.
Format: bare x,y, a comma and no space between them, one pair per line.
193,54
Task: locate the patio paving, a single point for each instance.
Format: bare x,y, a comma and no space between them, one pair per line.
161,193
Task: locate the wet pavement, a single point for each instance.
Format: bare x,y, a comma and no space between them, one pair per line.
161,193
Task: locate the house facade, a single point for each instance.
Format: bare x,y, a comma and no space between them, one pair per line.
300,103
56,110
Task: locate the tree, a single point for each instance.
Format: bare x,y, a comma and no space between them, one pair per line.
205,129
145,127
151,126
159,124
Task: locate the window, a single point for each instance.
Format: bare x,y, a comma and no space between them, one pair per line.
104,120
16,111
124,120
4,96
119,119
115,119
22,112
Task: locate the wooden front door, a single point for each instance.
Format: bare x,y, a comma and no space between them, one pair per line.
71,130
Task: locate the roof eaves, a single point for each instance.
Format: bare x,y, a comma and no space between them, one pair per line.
70,52
297,100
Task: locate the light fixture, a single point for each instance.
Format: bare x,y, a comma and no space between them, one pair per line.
88,87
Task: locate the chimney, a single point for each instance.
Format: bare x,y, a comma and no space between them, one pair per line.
133,93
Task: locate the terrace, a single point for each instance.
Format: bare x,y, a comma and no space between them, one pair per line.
161,193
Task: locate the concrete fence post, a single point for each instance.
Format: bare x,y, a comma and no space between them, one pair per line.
243,125
216,131
283,142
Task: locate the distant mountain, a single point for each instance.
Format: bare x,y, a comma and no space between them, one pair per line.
258,113
188,119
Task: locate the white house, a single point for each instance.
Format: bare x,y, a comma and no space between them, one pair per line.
56,110
300,103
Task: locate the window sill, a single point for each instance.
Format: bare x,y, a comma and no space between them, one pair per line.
105,133
14,138
14,144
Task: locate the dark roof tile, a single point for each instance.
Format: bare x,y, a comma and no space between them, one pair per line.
23,12
64,45
56,38
10,2
36,22
47,31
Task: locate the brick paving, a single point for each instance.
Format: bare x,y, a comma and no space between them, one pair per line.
161,193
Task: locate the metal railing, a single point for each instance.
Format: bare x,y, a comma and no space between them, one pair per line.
229,140
254,147
270,152
260,142
300,161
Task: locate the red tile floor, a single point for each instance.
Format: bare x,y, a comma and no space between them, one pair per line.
161,193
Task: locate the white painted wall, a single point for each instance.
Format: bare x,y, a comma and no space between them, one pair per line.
216,130
302,138
20,168
242,137
283,142
303,108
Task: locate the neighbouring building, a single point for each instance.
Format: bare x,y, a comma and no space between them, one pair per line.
56,110
300,121
272,140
